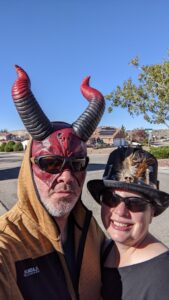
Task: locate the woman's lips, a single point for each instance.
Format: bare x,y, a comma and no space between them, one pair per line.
121,226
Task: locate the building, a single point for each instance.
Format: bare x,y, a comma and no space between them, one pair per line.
16,136
6,136
21,135
108,135
119,138
137,135
160,134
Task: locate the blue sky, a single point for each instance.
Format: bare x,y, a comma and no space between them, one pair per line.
59,42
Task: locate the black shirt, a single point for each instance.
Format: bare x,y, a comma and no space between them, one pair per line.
148,280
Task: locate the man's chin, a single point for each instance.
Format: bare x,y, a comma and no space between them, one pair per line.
62,209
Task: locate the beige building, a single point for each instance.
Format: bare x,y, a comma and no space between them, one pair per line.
108,135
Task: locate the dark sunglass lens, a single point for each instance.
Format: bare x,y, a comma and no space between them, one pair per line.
136,204
108,198
51,164
55,164
79,164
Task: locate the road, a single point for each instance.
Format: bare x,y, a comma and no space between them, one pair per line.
9,169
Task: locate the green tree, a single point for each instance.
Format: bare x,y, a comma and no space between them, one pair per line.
149,97
123,129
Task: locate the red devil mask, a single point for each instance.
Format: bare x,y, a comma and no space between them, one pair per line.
58,138
52,151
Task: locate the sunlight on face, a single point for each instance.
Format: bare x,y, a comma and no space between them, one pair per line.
124,226
60,198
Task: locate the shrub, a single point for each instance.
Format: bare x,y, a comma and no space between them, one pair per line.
2,147
160,152
9,146
18,147
11,143
145,142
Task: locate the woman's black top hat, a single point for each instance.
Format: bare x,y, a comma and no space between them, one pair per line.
135,170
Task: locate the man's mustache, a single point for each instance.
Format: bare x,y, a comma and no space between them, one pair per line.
62,187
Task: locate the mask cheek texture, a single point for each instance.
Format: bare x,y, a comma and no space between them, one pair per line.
47,178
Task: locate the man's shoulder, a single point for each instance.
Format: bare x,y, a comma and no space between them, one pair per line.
9,231
10,217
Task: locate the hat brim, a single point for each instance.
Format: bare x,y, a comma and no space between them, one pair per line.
159,199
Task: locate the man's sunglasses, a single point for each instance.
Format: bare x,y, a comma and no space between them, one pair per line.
134,204
55,164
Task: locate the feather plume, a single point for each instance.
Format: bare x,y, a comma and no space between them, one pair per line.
134,168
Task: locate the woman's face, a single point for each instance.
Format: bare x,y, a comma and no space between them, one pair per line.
124,226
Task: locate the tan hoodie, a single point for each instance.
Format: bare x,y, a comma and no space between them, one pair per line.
32,260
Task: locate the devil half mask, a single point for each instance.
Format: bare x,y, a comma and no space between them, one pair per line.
56,138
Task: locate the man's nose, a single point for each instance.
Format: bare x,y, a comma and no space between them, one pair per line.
66,176
121,209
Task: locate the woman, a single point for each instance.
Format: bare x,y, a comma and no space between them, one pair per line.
135,263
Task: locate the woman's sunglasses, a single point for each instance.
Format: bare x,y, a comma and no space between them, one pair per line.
134,204
55,164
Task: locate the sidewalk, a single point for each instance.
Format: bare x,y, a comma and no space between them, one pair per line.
163,163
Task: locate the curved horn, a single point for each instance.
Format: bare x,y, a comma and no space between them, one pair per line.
89,119
34,119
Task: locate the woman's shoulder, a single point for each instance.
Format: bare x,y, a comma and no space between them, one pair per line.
154,265
162,260
157,270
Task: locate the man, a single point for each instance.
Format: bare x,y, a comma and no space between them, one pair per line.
50,244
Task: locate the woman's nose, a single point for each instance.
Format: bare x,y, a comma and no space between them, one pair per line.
121,209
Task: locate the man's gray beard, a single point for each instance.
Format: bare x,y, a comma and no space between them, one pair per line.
64,207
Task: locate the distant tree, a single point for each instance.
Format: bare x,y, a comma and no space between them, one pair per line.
123,129
4,130
138,135
150,97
